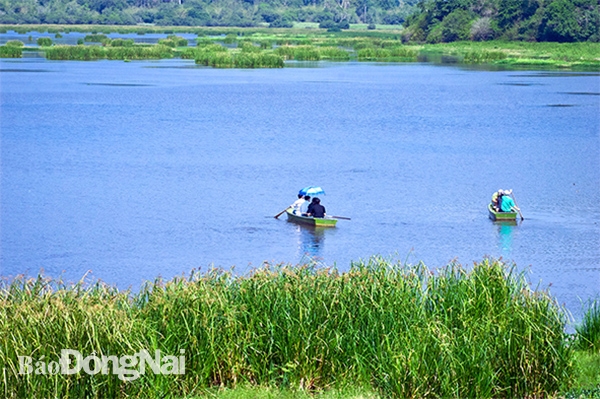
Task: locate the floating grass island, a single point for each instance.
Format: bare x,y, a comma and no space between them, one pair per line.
393,329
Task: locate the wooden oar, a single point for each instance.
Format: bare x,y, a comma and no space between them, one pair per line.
341,217
517,205
281,213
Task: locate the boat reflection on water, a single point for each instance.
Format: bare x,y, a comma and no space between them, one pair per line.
311,241
506,230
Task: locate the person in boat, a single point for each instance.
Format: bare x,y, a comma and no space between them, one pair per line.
507,204
297,205
305,205
496,199
309,208
316,210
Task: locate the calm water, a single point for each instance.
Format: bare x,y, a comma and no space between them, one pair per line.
135,170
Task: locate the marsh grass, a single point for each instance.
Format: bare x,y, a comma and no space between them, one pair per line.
399,330
173,41
588,332
246,56
87,53
14,43
386,54
585,55
363,45
121,43
95,38
11,51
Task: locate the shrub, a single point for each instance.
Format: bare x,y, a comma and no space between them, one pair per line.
230,39
174,41
327,24
14,43
95,38
281,23
122,43
44,42
344,25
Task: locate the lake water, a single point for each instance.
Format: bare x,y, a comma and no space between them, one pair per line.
144,169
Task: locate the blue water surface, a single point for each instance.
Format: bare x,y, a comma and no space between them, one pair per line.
152,168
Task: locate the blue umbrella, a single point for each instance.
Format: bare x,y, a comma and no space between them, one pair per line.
312,191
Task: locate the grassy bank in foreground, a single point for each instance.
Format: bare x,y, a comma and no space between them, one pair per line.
399,331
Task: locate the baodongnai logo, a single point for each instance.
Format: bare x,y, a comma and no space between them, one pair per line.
127,368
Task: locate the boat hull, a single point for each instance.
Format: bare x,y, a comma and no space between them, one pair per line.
310,221
501,216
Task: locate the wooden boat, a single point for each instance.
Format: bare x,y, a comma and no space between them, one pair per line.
318,222
501,216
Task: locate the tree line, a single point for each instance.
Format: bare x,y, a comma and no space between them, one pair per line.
528,20
424,21
241,13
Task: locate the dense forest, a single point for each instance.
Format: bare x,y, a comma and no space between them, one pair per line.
431,21
529,20
243,13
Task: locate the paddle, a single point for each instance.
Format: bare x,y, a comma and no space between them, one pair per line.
281,213
517,205
341,217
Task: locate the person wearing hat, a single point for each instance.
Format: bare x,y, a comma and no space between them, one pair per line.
507,204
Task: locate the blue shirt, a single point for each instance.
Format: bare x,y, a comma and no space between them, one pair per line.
507,204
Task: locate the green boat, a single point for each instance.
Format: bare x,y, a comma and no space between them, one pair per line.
318,222
501,216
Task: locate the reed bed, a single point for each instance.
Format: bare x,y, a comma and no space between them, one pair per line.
479,57
174,41
398,329
14,43
312,53
386,54
87,53
298,44
121,43
96,38
246,56
11,51
44,42
544,54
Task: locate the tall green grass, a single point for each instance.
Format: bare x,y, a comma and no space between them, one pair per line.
247,56
11,51
174,41
384,50
588,332
86,53
14,43
96,38
401,330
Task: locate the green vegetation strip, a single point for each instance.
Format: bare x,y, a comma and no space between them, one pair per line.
398,330
270,48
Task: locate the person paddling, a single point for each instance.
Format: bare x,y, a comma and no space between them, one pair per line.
507,204
297,205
